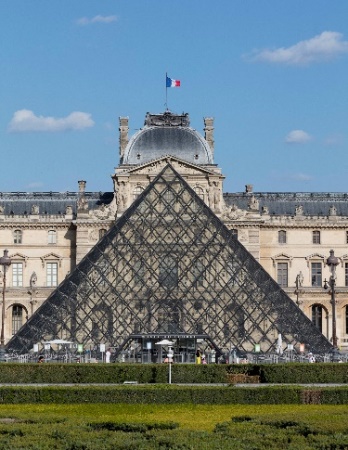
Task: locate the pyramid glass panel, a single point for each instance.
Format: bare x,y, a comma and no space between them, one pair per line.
169,265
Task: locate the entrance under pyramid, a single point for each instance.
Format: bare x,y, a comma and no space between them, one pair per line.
169,268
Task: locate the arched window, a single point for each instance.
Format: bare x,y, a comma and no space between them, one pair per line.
17,236
137,191
282,237
17,318
52,237
199,191
168,272
317,316
102,232
234,233
169,197
139,272
198,274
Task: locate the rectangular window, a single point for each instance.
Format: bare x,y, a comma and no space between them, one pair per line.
52,237
198,274
316,275
282,237
346,237
234,233
282,274
17,237
346,319
52,274
346,273
17,274
316,237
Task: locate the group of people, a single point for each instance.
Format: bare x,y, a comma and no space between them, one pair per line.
200,357
108,354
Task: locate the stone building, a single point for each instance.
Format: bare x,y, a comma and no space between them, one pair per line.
48,236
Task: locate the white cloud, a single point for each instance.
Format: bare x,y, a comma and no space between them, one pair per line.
25,120
35,184
292,177
323,47
96,19
298,137
300,177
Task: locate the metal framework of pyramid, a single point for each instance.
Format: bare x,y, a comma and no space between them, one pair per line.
169,265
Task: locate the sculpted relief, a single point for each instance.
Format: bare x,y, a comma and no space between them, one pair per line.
233,213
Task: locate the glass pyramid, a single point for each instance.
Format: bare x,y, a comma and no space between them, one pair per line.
169,265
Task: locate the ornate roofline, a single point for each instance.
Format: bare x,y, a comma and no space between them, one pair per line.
167,158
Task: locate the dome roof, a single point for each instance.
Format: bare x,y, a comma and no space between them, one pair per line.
167,134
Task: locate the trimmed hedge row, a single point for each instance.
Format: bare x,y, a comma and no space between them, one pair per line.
169,394
297,373
304,373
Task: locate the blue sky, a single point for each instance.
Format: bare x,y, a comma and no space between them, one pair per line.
273,74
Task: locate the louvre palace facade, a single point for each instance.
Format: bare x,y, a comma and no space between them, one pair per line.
169,254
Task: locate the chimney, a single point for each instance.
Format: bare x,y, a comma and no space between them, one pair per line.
249,188
82,186
209,132
123,129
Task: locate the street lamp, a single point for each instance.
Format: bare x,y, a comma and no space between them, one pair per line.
170,355
5,262
332,262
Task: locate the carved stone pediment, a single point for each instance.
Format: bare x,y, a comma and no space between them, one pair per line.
19,257
103,212
183,167
167,119
282,257
51,257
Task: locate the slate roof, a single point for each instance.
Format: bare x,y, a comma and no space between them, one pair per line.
278,203
153,142
50,203
284,203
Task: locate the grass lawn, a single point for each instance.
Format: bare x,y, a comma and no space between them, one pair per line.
200,427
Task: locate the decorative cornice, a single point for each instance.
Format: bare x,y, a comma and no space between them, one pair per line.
315,257
282,257
51,256
19,256
35,225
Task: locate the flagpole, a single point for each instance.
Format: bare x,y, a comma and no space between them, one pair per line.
166,104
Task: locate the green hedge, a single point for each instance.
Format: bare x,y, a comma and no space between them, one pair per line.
110,373
148,394
181,373
169,394
304,373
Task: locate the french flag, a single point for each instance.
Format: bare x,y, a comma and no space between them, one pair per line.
172,83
